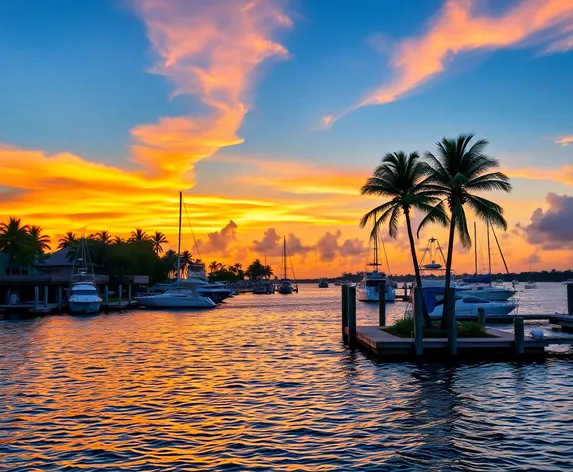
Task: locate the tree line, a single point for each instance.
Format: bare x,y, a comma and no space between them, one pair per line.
139,254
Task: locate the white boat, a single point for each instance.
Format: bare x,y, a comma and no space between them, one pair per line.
467,307
83,297
264,287
492,294
183,293
368,288
176,297
323,283
285,286
529,285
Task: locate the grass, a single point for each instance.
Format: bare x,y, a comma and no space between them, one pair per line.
404,328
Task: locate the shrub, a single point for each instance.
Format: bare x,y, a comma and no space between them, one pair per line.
471,329
402,328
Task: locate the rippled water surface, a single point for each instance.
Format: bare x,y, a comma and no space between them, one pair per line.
265,383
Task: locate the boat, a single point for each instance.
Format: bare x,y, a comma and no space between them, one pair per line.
529,285
285,286
181,294
264,287
83,297
323,283
514,282
337,282
465,306
367,289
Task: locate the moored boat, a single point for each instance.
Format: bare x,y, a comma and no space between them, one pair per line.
367,289
323,283
285,286
83,297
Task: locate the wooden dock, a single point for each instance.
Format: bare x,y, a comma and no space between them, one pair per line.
498,343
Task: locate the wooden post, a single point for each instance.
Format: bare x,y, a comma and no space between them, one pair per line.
352,316
344,310
45,295
7,296
451,318
59,299
481,316
417,307
119,294
570,298
382,303
519,334
105,295
129,294
36,297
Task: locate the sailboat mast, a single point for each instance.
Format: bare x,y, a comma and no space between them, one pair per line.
179,238
375,248
284,257
475,251
488,253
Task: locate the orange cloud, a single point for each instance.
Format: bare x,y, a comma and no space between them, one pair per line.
563,175
459,28
565,140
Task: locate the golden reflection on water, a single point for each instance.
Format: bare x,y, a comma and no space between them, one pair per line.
262,381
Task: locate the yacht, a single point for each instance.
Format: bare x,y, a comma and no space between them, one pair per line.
83,297
531,284
264,287
181,294
367,289
285,286
323,283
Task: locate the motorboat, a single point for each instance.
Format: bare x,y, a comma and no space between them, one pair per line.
196,276
529,285
368,288
83,297
323,283
492,294
264,287
285,285
176,297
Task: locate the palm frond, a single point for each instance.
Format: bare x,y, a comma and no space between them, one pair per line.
487,210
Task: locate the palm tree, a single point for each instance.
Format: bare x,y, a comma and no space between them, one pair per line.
138,235
68,240
104,237
186,260
215,266
13,239
402,180
457,169
118,240
158,239
41,242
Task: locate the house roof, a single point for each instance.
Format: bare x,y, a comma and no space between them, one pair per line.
58,258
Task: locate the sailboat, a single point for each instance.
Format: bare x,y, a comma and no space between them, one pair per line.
83,296
178,295
286,287
481,286
367,289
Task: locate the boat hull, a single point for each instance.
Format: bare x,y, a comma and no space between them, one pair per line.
285,290
489,294
370,294
154,301
470,310
85,307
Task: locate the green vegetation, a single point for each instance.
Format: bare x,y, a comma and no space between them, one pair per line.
404,328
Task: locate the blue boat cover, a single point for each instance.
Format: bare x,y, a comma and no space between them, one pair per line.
480,279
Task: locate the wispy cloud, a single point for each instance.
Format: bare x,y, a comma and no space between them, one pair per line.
564,140
460,27
563,175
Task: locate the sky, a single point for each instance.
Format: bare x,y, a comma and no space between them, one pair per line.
270,115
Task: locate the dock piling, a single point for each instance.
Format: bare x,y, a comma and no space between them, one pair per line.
451,320
7,296
129,294
45,295
119,294
344,310
481,316
382,303
417,306
36,297
519,334
105,295
570,298
352,316
59,298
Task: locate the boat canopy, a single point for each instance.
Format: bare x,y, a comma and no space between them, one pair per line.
480,279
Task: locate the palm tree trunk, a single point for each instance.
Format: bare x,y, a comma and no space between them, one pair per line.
427,320
444,321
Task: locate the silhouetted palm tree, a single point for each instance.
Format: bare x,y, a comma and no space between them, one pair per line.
68,240
104,237
118,240
158,239
457,169
186,260
402,181
139,235
13,239
41,242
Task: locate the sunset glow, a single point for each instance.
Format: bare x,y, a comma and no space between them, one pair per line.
255,110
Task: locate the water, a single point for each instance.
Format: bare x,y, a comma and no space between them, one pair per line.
264,383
